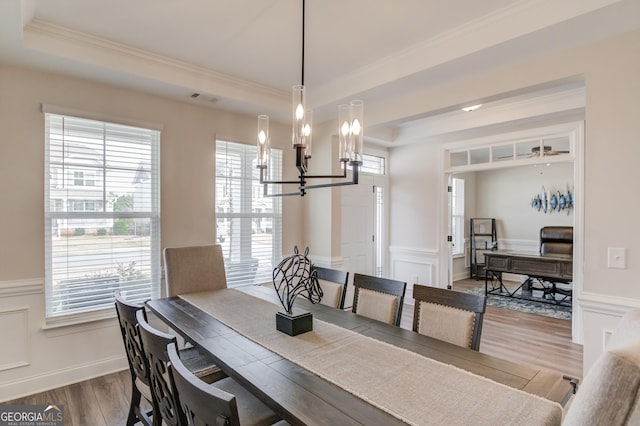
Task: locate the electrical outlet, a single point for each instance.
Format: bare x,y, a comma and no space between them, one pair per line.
617,258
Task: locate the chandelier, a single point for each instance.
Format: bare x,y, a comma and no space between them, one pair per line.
350,137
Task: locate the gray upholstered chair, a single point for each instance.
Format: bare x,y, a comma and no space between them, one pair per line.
610,392
225,402
334,286
449,315
378,298
193,269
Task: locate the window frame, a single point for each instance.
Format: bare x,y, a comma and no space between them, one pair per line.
244,222
457,217
56,209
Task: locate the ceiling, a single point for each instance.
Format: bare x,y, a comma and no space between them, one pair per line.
244,55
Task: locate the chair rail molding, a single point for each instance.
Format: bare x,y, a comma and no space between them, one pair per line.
601,314
13,288
336,262
607,305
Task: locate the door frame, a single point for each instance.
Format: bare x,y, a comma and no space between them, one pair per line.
576,129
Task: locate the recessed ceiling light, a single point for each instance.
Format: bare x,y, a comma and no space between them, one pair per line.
471,108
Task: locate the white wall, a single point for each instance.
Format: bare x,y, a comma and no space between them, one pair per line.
610,70
506,194
43,359
413,242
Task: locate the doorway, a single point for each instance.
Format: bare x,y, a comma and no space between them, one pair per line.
517,151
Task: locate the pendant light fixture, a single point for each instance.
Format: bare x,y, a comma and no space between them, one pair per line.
350,135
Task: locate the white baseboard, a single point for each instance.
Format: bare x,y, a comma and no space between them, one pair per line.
54,379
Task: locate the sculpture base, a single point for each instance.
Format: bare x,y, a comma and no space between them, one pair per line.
294,324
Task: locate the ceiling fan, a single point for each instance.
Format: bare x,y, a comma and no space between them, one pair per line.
548,150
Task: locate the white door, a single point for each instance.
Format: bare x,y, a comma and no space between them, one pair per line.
358,233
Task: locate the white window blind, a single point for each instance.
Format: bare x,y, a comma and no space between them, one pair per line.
457,225
248,225
102,214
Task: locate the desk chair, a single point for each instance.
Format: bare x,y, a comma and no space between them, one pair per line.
225,402
554,241
378,298
334,286
138,363
449,315
193,269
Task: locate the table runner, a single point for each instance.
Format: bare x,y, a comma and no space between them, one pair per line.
409,386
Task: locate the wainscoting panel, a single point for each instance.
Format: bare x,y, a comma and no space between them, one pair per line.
37,358
601,315
413,265
15,333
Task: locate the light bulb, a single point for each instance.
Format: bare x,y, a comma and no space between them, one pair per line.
345,128
262,136
355,127
299,112
307,130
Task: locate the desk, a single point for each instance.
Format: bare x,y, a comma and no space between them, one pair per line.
546,270
301,397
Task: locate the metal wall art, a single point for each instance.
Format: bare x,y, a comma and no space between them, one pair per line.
549,201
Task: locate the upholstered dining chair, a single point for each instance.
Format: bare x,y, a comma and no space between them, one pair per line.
448,315
138,363
225,402
610,392
334,286
154,344
192,269
378,298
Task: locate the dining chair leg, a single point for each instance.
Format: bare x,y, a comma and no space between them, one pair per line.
132,418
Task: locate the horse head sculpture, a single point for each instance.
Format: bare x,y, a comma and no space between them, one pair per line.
293,276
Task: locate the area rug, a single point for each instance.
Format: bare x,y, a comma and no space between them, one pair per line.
521,305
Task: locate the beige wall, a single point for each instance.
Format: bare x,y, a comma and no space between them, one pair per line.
506,195
610,70
57,356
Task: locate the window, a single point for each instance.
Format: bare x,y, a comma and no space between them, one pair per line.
457,215
248,225
102,216
372,164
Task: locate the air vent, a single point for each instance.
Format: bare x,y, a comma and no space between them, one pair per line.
194,95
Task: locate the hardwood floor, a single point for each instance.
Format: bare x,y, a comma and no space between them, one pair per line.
100,401
520,337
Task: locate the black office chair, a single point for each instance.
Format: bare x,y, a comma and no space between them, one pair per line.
448,315
378,298
554,241
334,286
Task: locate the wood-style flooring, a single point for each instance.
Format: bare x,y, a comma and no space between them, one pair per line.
520,337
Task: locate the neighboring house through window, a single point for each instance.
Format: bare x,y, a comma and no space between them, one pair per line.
248,225
102,214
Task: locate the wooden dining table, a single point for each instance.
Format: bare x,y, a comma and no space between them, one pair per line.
302,397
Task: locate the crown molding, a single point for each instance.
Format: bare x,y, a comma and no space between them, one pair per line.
513,21
86,48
